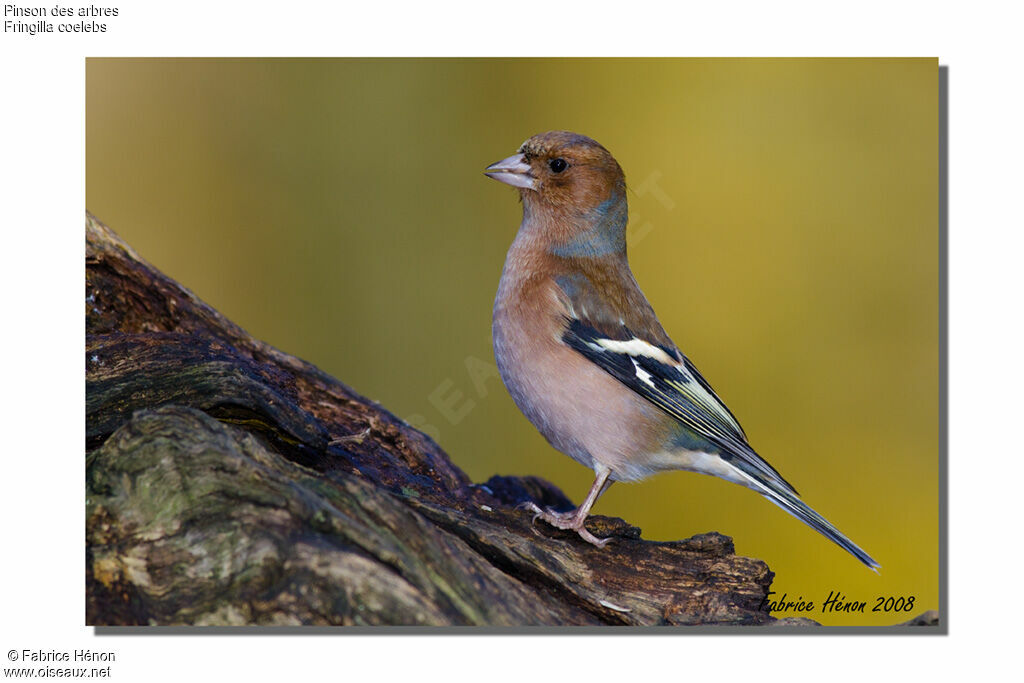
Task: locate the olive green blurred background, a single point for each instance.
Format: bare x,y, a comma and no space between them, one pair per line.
783,224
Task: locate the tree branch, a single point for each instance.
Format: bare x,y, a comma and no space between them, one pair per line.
231,483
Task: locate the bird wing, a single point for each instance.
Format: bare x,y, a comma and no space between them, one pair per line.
666,378
671,382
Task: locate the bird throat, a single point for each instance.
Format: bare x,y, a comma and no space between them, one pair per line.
601,231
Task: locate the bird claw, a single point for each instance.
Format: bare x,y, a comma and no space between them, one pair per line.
563,520
530,506
591,538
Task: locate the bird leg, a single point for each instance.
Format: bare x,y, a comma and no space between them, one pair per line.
574,520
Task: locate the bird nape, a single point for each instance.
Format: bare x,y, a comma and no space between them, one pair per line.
585,358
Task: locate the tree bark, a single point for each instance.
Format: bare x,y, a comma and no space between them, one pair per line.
230,483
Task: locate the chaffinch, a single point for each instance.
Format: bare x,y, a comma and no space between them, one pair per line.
583,354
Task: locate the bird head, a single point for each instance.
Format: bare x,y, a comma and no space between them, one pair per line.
561,171
573,192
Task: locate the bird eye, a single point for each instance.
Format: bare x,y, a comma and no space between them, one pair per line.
558,165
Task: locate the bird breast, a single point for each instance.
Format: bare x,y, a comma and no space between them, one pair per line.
579,408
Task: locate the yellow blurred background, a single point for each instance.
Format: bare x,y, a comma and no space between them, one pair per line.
783,224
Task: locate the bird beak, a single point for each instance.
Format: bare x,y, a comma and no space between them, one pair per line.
513,171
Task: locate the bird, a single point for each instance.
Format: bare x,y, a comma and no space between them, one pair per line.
583,355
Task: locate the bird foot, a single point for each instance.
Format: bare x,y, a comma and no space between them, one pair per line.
569,521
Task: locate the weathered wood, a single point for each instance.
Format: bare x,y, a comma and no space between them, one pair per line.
231,483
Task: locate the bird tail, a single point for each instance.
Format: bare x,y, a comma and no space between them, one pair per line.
796,507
